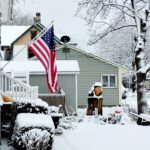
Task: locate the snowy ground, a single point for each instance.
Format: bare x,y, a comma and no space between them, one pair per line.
4,146
91,135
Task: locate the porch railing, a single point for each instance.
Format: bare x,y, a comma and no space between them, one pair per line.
15,88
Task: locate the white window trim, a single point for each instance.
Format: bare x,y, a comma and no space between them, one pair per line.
109,80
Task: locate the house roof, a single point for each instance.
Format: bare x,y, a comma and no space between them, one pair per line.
17,32
89,54
10,33
38,26
96,57
63,66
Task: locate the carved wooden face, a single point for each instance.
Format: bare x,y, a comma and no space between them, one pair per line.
98,90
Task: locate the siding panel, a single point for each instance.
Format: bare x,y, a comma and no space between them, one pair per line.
66,82
91,70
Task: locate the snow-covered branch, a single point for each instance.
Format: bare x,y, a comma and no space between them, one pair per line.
144,69
111,29
119,6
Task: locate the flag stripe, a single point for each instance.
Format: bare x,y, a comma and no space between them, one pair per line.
44,49
34,52
44,46
39,56
41,52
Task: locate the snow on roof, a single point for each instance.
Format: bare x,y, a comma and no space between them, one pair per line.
34,120
11,33
36,66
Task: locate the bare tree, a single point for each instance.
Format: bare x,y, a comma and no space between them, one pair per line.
20,19
105,16
15,15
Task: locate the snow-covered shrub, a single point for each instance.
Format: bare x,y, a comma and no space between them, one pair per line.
53,109
68,122
33,132
37,139
31,106
32,138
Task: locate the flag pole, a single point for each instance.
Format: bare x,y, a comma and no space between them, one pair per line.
37,36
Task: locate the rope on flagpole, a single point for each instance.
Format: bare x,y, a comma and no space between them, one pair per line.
37,36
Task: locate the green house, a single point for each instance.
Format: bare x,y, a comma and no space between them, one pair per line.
94,69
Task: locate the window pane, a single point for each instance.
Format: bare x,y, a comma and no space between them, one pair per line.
105,81
112,81
30,54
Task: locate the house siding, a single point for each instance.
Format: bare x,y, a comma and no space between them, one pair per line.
91,70
26,38
66,82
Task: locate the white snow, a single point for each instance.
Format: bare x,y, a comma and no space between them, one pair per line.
145,69
36,66
35,137
1,101
89,134
131,100
56,114
11,33
34,120
53,109
93,136
34,102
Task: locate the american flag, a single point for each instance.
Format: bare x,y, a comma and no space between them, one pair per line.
44,49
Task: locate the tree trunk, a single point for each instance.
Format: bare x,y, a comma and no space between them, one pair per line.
139,62
141,93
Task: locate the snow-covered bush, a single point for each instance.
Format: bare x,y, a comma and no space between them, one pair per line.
53,109
31,106
37,139
40,138
33,132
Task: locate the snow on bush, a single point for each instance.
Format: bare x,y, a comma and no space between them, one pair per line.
53,109
37,139
34,120
33,131
32,106
70,122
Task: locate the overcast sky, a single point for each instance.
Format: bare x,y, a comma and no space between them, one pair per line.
62,13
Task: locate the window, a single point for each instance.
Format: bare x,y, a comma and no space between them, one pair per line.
33,34
7,54
30,54
109,81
